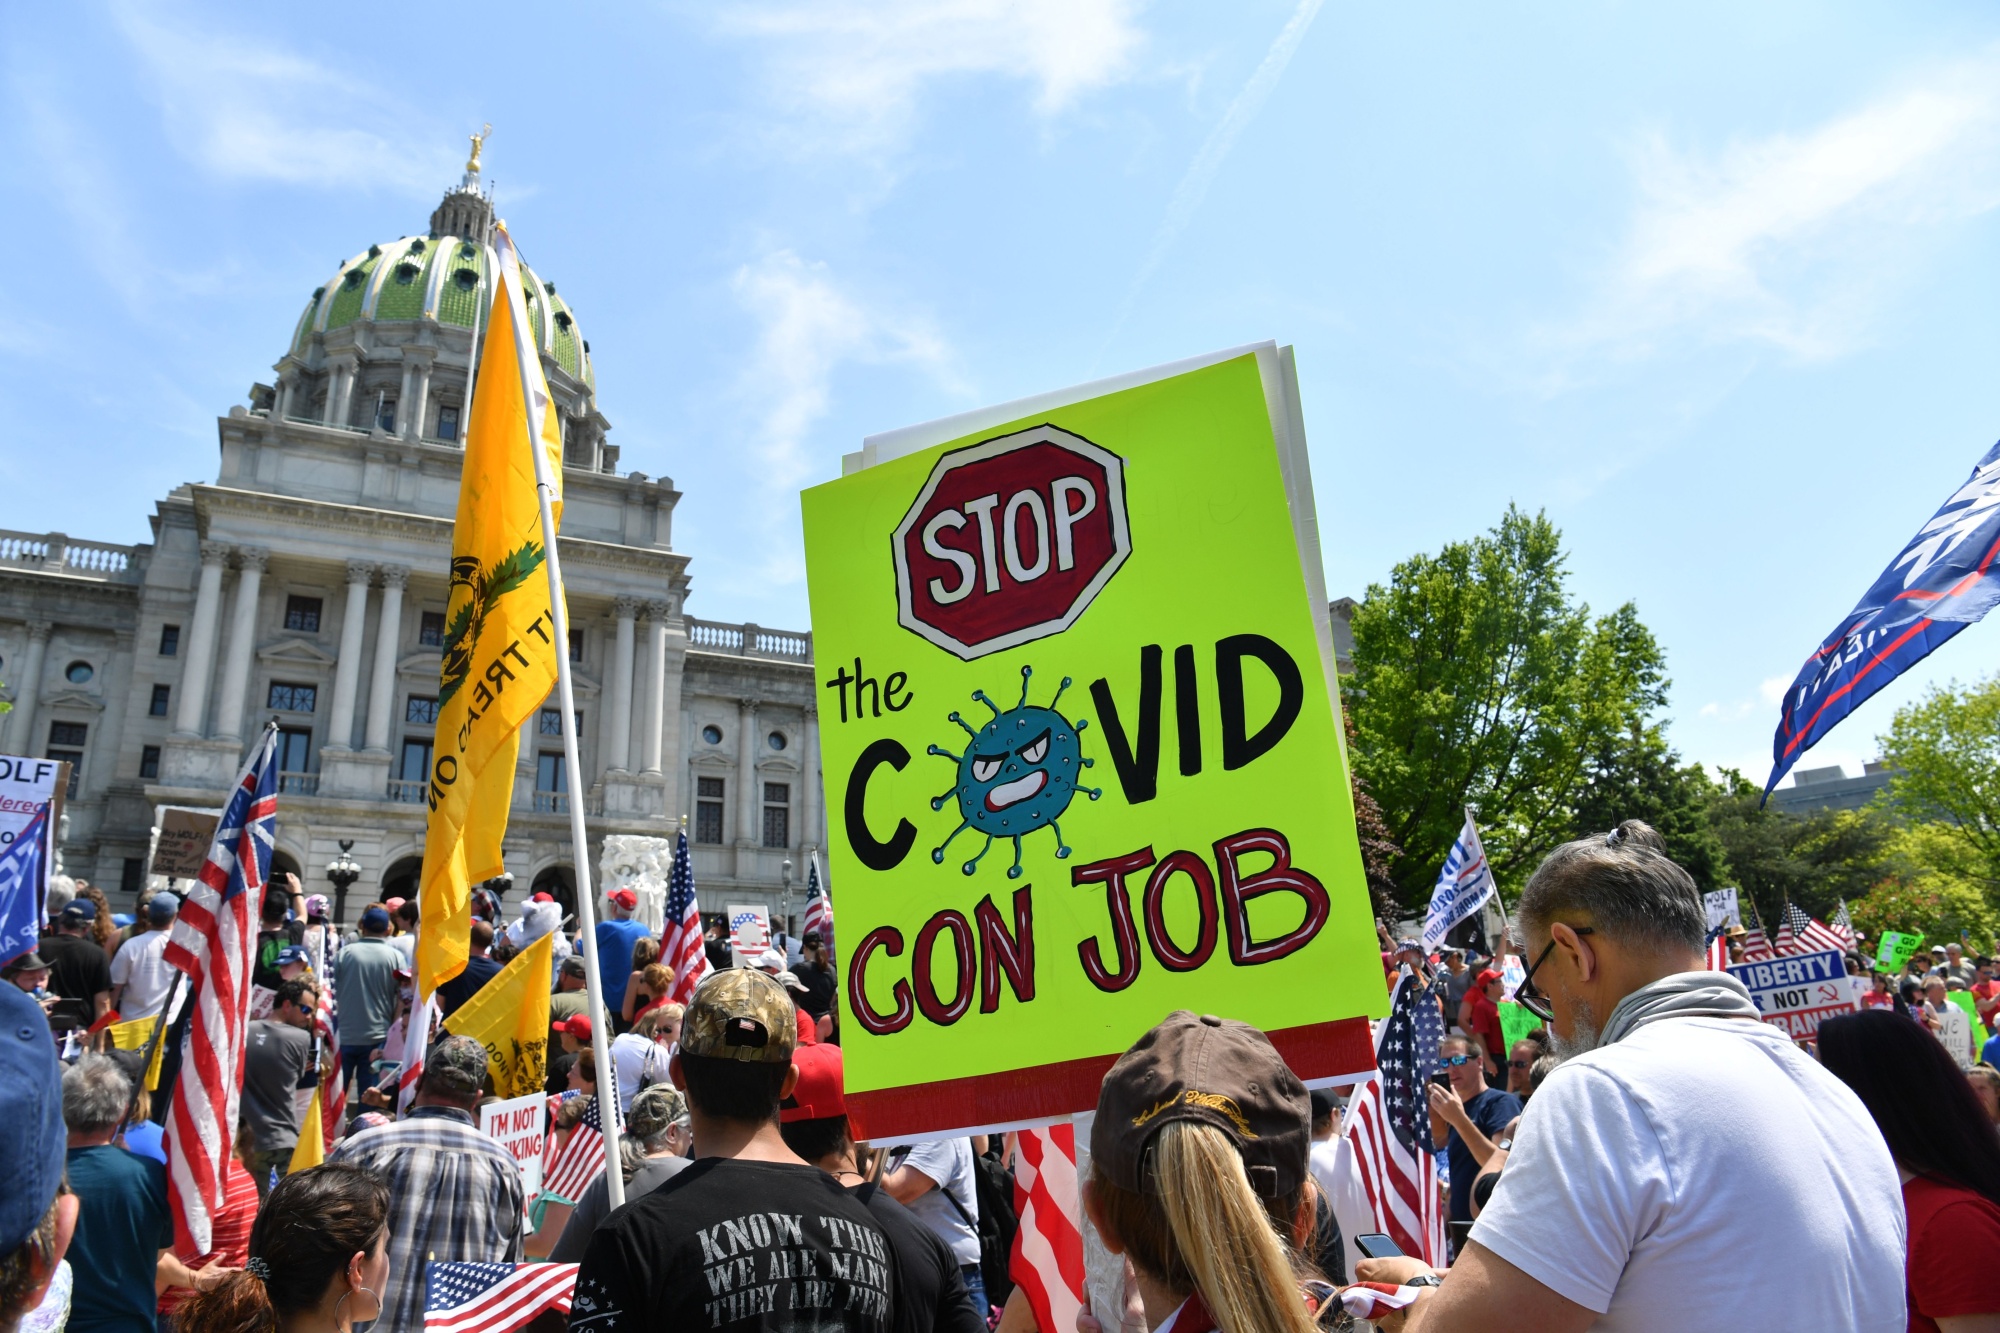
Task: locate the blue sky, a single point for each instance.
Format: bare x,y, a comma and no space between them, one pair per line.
1715,285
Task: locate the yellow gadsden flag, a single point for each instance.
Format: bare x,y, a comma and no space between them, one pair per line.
133,1036
510,1018
500,634
310,1150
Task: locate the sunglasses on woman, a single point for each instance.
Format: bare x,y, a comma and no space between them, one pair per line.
1527,996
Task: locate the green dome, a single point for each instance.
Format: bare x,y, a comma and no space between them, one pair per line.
441,278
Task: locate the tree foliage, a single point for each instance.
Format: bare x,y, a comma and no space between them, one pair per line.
1945,749
1816,860
1478,679
1636,776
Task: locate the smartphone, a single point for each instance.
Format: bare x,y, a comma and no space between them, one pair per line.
1442,1080
1375,1245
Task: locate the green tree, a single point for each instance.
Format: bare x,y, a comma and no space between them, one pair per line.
1479,679
1636,776
1934,890
1945,749
1815,860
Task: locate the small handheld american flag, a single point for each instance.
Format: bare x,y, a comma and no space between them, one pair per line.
1385,1172
1811,935
680,937
582,1157
1718,949
819,907
493,1298
1843,926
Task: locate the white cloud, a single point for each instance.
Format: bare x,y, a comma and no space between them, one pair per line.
862,67
1794,240
1774,687
810,325
238,109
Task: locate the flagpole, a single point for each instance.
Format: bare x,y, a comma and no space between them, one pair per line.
586,908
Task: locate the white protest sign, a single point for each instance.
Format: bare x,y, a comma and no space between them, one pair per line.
1795,992
26,785
749,932
1512,974
1722,908
516,1125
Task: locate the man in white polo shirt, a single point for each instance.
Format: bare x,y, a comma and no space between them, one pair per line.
1686,1166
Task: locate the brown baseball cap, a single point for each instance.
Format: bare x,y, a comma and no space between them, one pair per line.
1215,1071
740,1014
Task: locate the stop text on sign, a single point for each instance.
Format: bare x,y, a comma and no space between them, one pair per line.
1010,540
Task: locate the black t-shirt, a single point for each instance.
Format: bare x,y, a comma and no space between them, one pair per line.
731,1245
78,969
930,1288
264,970
478,971
819,988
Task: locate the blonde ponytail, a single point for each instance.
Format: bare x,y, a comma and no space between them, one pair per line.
1208,1231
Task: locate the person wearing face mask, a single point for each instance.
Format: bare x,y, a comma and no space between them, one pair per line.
1728,1141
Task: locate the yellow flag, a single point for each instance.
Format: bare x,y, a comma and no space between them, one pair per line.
133,1036
510,1018
312,1140
500,640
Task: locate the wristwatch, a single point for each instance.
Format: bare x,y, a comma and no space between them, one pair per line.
1505,1145
1424,1280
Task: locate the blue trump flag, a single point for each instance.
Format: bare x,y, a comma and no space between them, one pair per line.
1943,581
23,882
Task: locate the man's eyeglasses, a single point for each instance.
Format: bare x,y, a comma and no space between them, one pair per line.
1454,1061
1531,999
1520,1064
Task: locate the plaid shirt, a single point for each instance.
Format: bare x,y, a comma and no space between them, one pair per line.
454,1196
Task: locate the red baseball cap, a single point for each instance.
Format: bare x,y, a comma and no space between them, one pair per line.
1486,978
576,1025
817,1094
625,898
542,898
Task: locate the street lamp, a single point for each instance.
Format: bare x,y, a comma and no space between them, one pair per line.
787,909
342,871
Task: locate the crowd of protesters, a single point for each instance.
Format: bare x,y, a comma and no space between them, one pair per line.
1651,1156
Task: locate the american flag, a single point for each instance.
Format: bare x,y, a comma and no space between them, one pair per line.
582,1157
1843,926
1047,1259
1718,949
819,917
680,937
213,941
1756,945
417,1030
493,1298
1385,1172
1810,934
332,1088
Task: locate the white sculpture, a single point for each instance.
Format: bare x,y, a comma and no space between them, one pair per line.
641,865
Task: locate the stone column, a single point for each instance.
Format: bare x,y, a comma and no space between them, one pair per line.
338,386
388,648
749,800
673,725
420,399
242,643
656,686
809,799
198,667
619,760
403,392
28,689
347,655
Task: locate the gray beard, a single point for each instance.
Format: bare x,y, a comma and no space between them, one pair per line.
1587,1030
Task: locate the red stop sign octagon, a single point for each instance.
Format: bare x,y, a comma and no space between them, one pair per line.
1009,540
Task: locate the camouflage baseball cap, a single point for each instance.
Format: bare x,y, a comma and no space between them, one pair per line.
740,1014
653,1110
456,1065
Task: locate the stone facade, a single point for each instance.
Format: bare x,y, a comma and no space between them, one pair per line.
307,584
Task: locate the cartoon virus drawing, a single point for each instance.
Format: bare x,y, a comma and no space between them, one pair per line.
1019,773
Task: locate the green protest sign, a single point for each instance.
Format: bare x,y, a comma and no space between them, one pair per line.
1964,1000
1515,1023
1895,948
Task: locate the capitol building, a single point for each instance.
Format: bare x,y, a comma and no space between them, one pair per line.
306,584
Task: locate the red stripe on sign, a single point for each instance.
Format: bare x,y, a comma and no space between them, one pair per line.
1044,1092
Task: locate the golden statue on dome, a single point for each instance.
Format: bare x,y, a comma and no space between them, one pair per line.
478,145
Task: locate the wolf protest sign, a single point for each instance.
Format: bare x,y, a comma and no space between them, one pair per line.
1798,990
1082,746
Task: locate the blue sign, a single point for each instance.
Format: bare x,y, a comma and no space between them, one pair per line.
1943,581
